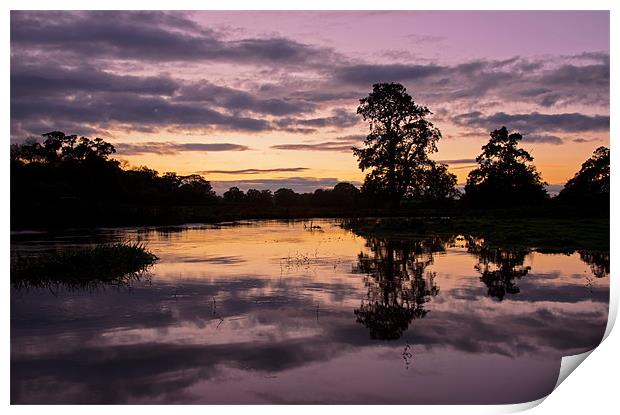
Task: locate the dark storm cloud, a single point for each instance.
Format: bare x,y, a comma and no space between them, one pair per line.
494,70
154,36
131,110
22,131
517,79
254,171
169,147
40,92
76,58
42,80
535,122
235,99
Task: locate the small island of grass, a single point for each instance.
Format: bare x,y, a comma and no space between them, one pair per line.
116,264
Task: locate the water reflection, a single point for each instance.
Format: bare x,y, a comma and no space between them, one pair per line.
224,320
598,262
398,284
500,268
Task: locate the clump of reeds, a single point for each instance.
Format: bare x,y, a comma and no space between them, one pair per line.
107,264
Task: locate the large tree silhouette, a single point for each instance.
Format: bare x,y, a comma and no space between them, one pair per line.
504,176
396,150
590,185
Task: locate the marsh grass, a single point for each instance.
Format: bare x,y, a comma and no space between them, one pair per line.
116,264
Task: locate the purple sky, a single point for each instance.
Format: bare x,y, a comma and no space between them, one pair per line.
267,99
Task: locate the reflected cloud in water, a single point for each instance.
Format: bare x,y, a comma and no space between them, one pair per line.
332,331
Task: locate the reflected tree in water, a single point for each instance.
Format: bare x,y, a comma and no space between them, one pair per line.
398,284
598,262
500,268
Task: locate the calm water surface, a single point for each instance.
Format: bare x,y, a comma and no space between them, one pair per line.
272,312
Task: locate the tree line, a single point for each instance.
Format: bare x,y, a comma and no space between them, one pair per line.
396,157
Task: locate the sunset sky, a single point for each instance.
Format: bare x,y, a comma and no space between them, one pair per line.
268,99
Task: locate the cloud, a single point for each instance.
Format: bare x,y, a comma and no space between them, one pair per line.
340,118
535,122
566,81
78,96
169,147
467,166
554,189
542,138
254,171
584,140
24,130
457,161
132,111
338,144
370,74
39,80
93,71
325,146
237,100
148,36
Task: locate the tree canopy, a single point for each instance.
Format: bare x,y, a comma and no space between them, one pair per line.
58,148
591,183
504,176
68,167
396,150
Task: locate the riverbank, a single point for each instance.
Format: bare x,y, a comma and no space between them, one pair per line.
545,234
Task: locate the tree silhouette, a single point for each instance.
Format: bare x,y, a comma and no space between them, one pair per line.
345,192
590,185
58,148
503,176
285,197
259,198
398,284
499,267
234,195
437,184
70,168
396,149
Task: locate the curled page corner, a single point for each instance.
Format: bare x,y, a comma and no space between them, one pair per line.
570,363
613,310
567,365
521,407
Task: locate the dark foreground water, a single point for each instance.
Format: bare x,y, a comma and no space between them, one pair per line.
272,312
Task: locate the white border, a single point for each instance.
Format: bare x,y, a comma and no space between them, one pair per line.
593,389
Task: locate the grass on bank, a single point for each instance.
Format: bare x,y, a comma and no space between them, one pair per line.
542,234
108,264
